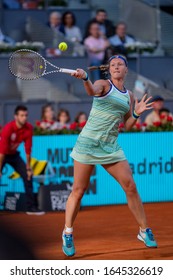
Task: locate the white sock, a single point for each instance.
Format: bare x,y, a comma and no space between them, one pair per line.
143,229
68,230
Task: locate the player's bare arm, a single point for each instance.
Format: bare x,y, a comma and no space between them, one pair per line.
99,88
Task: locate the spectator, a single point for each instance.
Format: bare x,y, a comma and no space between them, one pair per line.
6,39
106,26
47,118
79,121
72,32
12,135
165,116
120,38
154,116
95,45
63,119
55,22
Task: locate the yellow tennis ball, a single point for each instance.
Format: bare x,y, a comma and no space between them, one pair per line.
63,46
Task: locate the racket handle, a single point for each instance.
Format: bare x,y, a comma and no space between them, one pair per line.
68,71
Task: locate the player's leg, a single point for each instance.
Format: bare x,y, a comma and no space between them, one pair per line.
122,173
82,173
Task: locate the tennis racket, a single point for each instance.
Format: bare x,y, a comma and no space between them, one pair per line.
30,65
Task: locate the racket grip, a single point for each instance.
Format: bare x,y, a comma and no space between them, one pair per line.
68,71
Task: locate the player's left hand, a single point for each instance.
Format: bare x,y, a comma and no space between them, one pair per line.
143,105
29,174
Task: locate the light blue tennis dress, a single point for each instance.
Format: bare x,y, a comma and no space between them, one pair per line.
97,142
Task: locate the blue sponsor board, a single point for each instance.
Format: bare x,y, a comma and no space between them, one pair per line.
150,156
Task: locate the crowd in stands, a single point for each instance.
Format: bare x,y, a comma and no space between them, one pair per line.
66,24
50,121
99,37
61,122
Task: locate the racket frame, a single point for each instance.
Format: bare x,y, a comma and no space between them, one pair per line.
58,69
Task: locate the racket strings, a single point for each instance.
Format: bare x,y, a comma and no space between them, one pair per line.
27,65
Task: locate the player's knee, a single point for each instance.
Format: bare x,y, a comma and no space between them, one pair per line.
130,187
78,191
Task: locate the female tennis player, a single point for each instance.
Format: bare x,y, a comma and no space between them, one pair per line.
97,144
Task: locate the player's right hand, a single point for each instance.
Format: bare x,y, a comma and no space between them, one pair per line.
79,74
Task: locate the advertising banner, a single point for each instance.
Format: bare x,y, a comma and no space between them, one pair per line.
150,156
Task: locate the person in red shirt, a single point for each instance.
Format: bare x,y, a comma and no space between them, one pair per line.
12,135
